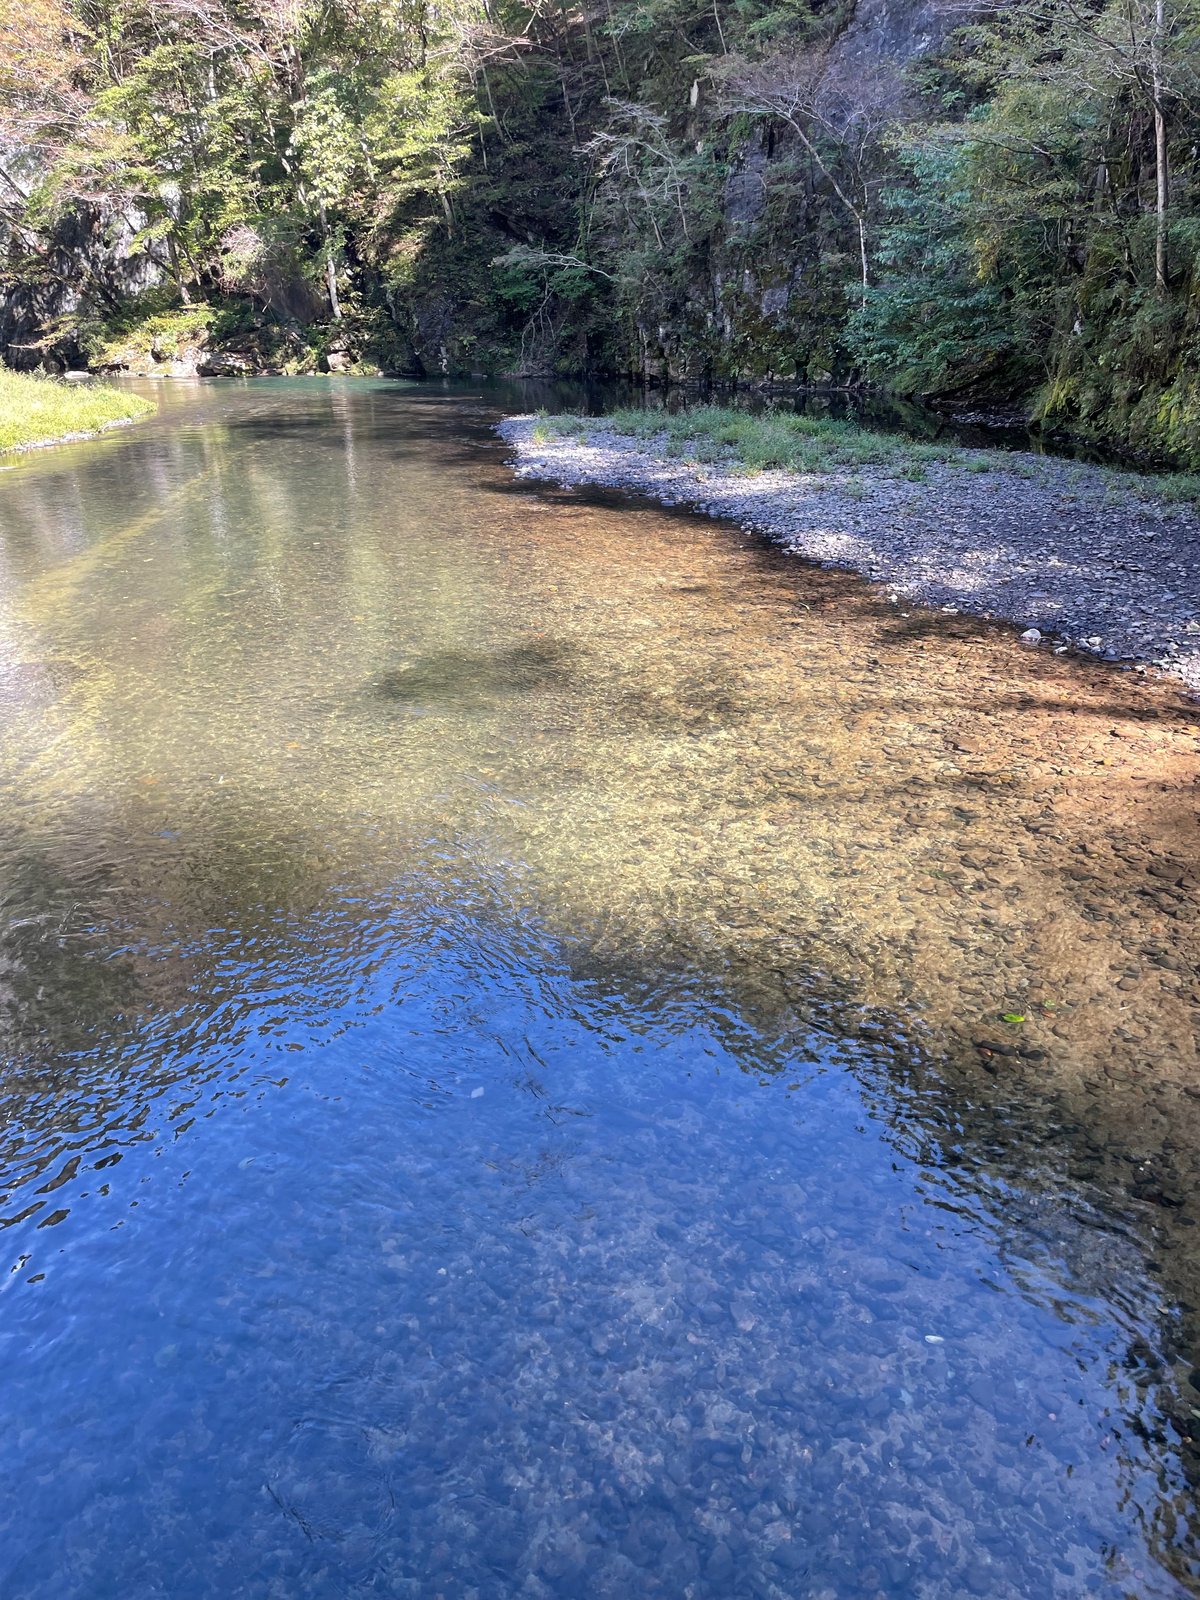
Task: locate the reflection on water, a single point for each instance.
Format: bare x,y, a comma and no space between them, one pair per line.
513,1084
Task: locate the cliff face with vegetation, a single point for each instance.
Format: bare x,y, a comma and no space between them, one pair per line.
986,201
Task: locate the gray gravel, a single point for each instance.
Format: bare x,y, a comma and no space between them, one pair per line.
1088,556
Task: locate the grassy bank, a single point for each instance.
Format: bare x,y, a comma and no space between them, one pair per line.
776,440
770,440
36,410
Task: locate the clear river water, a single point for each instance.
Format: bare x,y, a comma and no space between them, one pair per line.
551,1050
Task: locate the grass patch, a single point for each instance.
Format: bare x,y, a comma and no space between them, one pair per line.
772,440
1180,488
749,443
160,334
37,410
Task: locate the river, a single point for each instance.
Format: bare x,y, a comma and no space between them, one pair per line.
553,1050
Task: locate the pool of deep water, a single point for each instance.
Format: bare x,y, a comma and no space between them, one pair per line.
512,1075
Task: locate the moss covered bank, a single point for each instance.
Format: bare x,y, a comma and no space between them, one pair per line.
35,410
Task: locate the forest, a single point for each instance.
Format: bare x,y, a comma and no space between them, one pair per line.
986,204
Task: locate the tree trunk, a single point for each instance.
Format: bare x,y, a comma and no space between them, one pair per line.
335,304
1160,152
862,256
176,272
860,221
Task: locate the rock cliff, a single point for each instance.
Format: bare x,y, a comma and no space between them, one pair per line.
89,254
763,300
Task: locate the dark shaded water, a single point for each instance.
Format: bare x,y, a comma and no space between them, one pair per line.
880,412
488,980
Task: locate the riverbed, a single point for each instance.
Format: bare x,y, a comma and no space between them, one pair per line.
556,1049
1078,554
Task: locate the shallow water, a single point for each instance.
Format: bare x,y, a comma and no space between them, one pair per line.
492,982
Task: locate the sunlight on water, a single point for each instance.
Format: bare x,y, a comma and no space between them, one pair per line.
553,1050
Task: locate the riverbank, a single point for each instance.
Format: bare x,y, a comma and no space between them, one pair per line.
38,411
1086,555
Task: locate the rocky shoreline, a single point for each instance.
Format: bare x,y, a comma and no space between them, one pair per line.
76,436
1079,555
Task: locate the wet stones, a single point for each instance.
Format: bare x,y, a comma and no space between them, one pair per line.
1046,564
1170,872
996,1047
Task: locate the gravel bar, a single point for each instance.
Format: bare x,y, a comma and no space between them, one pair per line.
1086,555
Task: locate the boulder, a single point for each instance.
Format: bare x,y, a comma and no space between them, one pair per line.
225,364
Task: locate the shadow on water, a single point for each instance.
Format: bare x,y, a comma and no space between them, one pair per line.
879,413
710,1106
